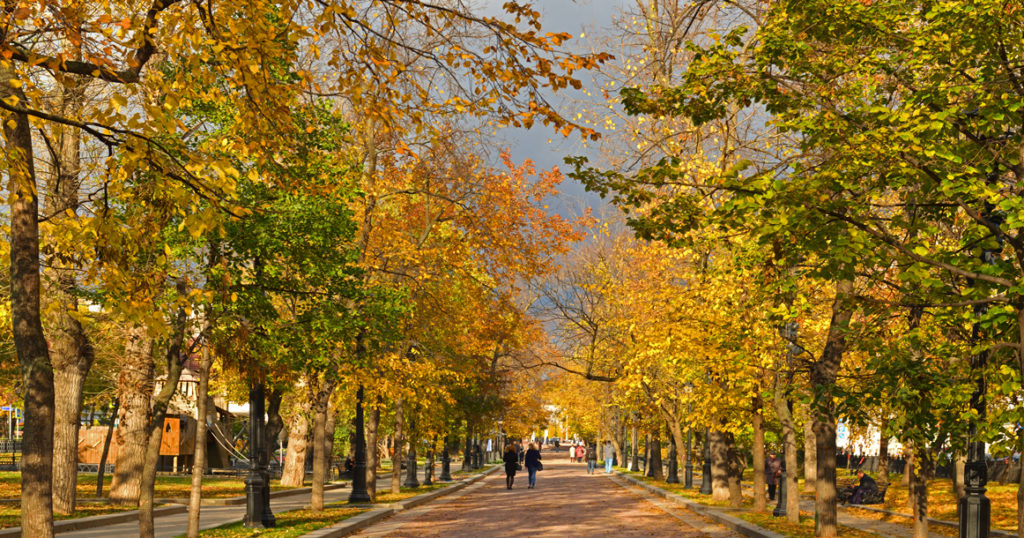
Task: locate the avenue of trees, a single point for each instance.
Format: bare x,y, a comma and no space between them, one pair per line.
826,199
293,193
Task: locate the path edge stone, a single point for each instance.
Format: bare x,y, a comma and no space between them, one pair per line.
357,523
739,525
92,522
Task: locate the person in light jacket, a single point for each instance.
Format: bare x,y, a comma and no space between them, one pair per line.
609,456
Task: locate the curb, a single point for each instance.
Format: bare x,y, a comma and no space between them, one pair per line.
743,527
361,521
92,522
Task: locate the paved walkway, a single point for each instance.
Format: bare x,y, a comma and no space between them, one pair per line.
567,501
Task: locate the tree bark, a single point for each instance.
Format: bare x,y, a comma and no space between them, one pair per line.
719,466
810,455
106,447
135,388
26,322
909,457
274,421
883,452
293,473
823,378
175,361
396,456
199,452
760,499
735,469
918,493
70,350
1020,487
783,409
372,455
656,467
321,402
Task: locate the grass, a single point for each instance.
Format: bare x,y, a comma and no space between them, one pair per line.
289,524
406,493
10,515
804,529
167,487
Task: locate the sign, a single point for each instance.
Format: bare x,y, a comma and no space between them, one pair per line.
170,442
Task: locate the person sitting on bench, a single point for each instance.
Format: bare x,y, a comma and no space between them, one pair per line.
857,494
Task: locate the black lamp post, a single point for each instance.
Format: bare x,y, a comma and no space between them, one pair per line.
411,481
359,494
446,463
705,479
974,507
428,471
780,508
257,502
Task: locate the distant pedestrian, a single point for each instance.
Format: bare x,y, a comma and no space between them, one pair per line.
591,458
580,452
609,456
772,468
520,452
511,460
533,464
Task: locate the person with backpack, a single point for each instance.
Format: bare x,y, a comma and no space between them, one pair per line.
591,458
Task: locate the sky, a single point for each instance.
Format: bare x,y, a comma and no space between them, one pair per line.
589,18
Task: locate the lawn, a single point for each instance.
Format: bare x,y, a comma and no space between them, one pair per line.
10,515
289,524
167,487
805,529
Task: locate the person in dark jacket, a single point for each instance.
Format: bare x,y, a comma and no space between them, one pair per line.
772,468
867,486
532,462
511,460
591,458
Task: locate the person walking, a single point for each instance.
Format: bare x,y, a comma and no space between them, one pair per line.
591,458
580,452
609,456
772,468
511,460
533,464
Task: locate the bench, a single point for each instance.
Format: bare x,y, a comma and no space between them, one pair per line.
876,497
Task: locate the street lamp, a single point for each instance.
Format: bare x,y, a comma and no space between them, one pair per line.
974,507
257,481
705,480
359,494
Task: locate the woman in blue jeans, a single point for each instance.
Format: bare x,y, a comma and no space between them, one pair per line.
532,462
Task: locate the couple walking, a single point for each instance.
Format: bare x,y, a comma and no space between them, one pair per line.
513,462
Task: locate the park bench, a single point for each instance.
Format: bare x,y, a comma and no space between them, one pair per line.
877,497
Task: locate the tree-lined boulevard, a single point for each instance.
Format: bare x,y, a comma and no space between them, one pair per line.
263,245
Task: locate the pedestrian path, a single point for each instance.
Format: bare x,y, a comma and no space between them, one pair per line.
566,501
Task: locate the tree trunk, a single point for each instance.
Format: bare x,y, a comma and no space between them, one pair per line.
1020,484
199,452
735,469
70,350
810,454
293,473
719,466
760,500
174,361
26,322
783,409
372,455
332,425
396,456
658,472
959,465
135,388
467,456
909,457
321,402
919,476
275,423
883,452
825,493
106,447
823,379
677,435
